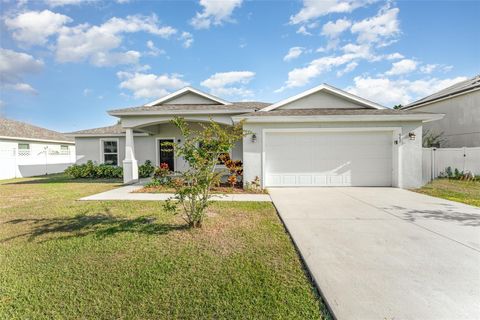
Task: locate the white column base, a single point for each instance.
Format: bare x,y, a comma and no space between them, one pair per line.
130,171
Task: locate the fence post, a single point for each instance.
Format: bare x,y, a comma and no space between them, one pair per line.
464,158
433,163
15,156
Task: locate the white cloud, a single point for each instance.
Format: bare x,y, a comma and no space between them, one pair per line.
229,83
13,66
214,12
394,56
428,68
391,92
378,29
349,68
334,29
21,87
303,30
154,51
293,53
145,85
313,9
34,27
187,39
301,76
402,67
61,3
95,43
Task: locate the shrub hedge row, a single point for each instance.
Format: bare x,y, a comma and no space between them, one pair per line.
104,171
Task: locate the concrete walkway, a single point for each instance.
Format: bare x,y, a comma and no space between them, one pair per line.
386,253
126,193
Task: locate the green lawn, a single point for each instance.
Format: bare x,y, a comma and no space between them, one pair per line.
62,258
461,191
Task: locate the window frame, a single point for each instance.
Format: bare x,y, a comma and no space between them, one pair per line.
102,148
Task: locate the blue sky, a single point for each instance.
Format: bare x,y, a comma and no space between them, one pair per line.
63,63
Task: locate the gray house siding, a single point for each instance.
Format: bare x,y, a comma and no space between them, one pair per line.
461,124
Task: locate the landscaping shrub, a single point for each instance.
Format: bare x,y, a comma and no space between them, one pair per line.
458,175
94,171
146,169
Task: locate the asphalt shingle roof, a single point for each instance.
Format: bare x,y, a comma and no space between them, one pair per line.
115,129
196,107
463,86
329,112
13,128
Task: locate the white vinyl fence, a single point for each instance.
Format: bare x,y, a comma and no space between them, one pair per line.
436,160
16,163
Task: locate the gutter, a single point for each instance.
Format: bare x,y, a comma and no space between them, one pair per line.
105,135
177,112
39,140
340,118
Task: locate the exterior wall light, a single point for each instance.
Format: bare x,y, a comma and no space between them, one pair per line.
412,135
254,138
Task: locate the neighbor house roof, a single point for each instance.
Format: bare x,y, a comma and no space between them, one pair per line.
234,107
332,114
12,129
458,88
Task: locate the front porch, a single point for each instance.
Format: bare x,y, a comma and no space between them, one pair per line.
144,136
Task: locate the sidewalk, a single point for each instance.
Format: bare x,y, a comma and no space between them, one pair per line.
126,193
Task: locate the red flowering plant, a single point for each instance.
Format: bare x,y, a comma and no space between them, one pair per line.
161,173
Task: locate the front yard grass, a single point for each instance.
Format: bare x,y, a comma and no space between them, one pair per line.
456,190
62,258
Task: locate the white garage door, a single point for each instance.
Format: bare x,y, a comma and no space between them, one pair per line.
328,158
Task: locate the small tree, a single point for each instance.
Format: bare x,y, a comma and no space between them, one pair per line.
432,139
397,106
201,150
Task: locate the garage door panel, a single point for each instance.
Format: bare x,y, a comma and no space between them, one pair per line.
328,158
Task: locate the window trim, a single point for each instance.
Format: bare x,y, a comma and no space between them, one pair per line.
102,153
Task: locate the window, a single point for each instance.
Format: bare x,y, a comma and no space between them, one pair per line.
110,152
64,147
23,146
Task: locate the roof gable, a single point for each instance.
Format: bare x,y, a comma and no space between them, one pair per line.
188,95
324,96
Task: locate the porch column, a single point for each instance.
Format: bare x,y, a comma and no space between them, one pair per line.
130,166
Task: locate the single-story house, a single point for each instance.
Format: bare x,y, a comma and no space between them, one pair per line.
321,137
27,150
461,105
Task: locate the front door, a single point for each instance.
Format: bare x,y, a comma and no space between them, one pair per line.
166,156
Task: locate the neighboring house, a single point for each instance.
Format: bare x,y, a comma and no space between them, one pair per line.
321,137
461,105
27,150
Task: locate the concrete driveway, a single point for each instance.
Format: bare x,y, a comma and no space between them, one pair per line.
386,253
